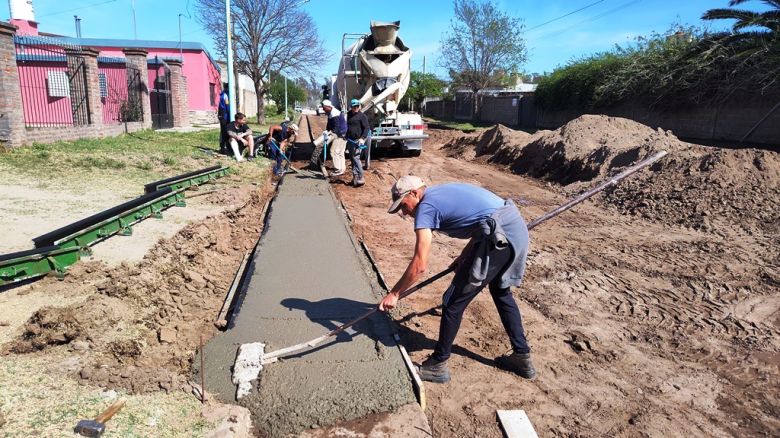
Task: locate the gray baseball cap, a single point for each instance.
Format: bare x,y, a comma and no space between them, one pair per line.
401,188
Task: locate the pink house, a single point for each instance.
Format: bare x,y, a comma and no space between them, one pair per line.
201,71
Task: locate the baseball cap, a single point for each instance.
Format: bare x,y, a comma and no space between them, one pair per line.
354,102
294,127
401,188
327,102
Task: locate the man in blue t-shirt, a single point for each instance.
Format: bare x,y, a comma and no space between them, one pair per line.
494,257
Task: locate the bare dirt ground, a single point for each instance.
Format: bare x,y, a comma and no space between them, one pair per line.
132,327
652,310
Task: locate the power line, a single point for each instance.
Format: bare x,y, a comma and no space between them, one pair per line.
564,16
76,9
593,18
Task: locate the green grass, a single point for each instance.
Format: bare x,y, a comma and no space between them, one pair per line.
132,158
458,124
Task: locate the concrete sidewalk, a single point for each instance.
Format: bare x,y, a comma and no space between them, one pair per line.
307,277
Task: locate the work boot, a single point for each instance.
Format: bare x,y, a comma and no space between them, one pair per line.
358,182
433,371
518,363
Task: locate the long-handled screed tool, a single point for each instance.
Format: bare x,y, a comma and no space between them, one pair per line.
284,157
251,357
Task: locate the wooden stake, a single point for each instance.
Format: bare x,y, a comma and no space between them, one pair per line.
202,374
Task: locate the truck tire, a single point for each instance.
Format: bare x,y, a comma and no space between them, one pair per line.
414,152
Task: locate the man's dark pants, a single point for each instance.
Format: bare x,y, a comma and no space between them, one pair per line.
224,141
461,293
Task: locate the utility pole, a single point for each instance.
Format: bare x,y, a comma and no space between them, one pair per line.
285,96
231,80
78,26
181,52
422,106
135,30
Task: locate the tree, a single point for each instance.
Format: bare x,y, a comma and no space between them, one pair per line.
483,42
765,25
268,35
294,92
422,85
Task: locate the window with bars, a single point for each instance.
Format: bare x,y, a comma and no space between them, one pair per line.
58,84
103,85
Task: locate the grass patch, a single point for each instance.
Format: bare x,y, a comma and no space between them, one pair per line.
457,124
39,401
125,160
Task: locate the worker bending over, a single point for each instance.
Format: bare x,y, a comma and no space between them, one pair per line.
494,257
279,138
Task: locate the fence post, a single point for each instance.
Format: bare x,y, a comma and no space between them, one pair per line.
137,59
12,130
181,113
93,85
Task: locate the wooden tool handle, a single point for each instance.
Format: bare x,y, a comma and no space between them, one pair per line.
113,409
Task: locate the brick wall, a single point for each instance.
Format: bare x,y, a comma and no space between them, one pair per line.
203,117
440,109
11,114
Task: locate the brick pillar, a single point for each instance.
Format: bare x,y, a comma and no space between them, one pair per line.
93,85
12,131
181,113
137,59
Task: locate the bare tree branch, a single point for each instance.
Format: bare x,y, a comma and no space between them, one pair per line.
268,36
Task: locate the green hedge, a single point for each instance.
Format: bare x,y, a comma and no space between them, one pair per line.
685,66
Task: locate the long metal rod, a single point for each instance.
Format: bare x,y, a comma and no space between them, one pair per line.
270,356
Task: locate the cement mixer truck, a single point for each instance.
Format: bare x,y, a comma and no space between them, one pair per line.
375,69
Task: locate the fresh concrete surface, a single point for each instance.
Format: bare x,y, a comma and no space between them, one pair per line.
307,278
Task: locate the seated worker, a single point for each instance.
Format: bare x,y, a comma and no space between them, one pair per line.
279,140
240,136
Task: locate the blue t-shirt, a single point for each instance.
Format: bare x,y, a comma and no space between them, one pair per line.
455,208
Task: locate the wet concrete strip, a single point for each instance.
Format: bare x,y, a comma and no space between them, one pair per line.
308,277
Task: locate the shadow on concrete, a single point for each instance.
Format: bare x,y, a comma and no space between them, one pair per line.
372,327
376,327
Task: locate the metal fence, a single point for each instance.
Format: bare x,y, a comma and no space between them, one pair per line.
53,80
120,91
160,97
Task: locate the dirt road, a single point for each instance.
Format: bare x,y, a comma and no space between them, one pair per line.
638,327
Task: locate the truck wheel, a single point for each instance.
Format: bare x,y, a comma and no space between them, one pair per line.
414,152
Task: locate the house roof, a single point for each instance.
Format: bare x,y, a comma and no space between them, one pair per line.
140,44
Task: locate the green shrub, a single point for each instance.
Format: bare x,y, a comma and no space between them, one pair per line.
684,66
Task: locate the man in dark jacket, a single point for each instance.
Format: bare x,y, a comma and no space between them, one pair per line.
495,257
357,134
223,114
333,135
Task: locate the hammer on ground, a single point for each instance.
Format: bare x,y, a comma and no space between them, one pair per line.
97,426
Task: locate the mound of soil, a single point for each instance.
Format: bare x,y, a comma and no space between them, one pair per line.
695,186
705,188
48,326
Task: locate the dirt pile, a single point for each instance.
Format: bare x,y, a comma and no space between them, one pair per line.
695,186
707,189
141,324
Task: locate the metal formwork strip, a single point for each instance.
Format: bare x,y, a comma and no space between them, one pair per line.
121,223
189,179
37,263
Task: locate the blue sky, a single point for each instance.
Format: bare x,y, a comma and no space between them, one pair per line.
595,28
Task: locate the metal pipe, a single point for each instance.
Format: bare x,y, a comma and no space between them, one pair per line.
231,80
